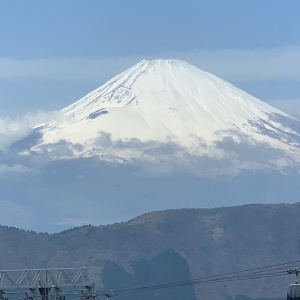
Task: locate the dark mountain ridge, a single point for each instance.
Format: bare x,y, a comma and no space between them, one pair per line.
169,246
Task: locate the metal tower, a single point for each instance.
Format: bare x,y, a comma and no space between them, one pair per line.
46,284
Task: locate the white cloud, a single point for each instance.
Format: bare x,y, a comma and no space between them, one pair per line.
13,214
65,69
255,65
15,168
14,129
229,64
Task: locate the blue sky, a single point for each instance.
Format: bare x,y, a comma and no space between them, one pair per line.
54,52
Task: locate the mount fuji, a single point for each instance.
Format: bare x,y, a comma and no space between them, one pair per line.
168,112
161,135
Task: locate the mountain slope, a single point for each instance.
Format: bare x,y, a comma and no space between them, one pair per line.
169,110
145,250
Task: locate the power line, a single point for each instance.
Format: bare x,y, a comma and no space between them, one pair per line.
227,276
221,280
248,274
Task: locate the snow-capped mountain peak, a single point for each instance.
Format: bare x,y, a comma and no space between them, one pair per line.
160,103
160,77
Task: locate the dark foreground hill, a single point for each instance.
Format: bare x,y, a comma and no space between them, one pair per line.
170,246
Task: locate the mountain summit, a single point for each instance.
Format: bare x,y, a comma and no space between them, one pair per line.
162,110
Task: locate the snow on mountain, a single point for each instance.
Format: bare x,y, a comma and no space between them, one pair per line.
169,110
